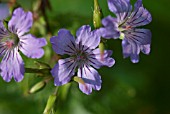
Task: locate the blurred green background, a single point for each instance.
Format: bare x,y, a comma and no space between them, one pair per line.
127,88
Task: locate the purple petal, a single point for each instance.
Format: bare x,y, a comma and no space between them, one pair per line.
110,21
32,46
12,66
97,60
4,11
140,36
63,71
145,49
21,22
110,29
87,37
138,4
132,49
140,16
122,8
3,49
134,58
91,78
64,43
3,31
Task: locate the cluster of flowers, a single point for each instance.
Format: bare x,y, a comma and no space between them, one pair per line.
85,57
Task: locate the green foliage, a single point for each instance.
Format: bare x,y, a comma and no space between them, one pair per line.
126,88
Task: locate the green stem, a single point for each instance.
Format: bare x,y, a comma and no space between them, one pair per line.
31,70
43,71
56,90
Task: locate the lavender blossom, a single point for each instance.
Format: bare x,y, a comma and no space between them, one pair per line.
16,39
83,55
124,26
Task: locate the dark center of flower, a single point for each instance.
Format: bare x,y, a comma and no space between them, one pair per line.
81,57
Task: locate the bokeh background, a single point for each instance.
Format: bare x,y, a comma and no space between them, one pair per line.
127,88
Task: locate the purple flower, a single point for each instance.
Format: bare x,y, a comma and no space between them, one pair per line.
16,39
124,26
4,11
83,54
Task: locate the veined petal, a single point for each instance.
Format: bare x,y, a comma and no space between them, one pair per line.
3,49
32,46
110,22
110,29
140,36
12,65
4,11
91,78
122,8
87,37
64,43
21,22
3,31
132,49
145,49
63,71
138,4
140,16
97,60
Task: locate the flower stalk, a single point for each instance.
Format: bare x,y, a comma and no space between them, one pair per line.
97,17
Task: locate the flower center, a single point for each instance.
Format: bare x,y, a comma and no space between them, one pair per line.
10,41
9,44
124,28
81,57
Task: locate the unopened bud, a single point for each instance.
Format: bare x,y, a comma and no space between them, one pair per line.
50,103
97,15
37,87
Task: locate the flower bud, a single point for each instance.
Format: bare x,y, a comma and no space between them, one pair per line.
97,15
37,87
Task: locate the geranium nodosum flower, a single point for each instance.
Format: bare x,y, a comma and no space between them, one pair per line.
15,39
83,54
124,26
